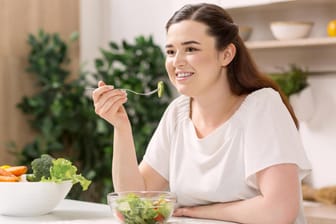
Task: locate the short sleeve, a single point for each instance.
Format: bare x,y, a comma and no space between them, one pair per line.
271,137
158,150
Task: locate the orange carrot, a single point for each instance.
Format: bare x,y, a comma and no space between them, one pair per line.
4,172
17,170
12,178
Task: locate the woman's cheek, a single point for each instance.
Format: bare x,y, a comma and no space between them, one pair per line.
198,59
170,68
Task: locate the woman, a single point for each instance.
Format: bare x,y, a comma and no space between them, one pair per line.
228,146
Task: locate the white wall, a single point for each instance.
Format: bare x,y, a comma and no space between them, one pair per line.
95,29
106,20
319,133
132,18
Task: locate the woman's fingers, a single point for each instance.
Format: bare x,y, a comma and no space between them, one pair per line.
101,83
181,212
113,106
109,101
108,97
101,90
189,211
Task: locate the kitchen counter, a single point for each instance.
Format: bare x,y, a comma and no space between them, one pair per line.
68,211
317,213
79,212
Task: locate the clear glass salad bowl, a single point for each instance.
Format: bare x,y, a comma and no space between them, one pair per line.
150,207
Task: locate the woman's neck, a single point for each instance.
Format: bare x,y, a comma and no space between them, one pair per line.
208,114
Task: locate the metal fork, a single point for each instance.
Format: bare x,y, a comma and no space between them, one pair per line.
132,91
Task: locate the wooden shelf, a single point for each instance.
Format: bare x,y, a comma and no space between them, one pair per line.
248,3
316,52
270,44
241,4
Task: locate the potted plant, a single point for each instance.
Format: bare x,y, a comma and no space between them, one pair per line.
62,115
293,82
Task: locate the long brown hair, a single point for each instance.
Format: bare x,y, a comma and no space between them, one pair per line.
243,75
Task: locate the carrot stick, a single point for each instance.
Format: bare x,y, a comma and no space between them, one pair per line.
17,170
12,178
4,172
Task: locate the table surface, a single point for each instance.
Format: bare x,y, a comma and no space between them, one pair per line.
80,212
317,213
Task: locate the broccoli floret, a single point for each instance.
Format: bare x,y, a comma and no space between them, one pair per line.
41,168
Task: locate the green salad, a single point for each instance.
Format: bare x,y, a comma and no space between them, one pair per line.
133,209
48,169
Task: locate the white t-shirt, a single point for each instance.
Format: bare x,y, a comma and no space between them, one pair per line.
222,166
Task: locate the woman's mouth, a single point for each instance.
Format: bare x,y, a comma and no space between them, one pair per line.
183,75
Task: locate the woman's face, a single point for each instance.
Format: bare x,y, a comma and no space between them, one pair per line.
193,64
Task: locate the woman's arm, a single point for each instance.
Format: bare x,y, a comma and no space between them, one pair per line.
126,174
108,104
125,171
278,203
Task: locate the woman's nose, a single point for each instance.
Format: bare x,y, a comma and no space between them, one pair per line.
179,60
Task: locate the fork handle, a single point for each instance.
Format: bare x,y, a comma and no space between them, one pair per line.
143,94
129,90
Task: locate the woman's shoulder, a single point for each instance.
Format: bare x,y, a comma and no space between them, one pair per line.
265,93
259,103
264,96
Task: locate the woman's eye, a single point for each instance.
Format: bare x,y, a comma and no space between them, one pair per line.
190,49
170,52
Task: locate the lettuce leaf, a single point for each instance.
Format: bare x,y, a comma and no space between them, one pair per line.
62,170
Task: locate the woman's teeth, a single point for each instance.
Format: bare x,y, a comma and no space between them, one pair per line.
184,74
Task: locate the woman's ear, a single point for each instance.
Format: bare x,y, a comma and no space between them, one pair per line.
228,54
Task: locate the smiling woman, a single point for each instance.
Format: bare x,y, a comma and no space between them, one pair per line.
228,117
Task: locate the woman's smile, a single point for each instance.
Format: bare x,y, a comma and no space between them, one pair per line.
180,76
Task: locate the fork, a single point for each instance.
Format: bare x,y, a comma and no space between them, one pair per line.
132,91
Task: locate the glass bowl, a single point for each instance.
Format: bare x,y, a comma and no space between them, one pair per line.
152,207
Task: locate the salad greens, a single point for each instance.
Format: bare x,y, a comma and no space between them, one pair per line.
48,169
133,209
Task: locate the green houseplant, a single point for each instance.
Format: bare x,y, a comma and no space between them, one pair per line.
292,80
62,115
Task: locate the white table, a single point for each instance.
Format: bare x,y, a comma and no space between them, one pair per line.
79,212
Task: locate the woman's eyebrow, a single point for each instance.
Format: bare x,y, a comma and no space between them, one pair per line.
184,43
191,42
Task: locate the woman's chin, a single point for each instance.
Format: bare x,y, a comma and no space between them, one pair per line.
183,91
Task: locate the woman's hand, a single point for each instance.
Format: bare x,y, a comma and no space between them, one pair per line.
108,103
278,201
187,211
203,211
